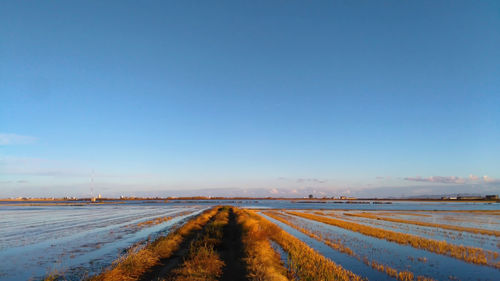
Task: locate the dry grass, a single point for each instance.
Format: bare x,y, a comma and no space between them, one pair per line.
468,254
443,226
391,213
400,275
154,221
403,275
304,262
203,262
263,262
138,260
332,244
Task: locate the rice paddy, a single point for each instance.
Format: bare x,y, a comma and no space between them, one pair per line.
196,242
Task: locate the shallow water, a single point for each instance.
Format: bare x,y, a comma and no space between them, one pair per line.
344,260
487,242
400,257
79,240
76,241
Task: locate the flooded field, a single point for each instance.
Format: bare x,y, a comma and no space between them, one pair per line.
77,240
397,241
345,245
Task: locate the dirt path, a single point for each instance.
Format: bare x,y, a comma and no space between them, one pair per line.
232,251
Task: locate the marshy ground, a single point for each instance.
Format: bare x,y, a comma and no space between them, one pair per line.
209,247
229,243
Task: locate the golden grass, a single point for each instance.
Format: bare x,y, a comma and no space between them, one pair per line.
203,262
332,244
404,214
138,260
437,225
403,275
304,262
263,262
154,221
160,220
468,254
400,275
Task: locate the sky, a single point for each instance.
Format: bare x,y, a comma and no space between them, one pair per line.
256,98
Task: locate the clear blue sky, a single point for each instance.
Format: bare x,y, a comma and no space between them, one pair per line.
279,97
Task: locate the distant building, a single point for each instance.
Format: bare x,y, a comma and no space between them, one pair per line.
491,197
99,196
469,197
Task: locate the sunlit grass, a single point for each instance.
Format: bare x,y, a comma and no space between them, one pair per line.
400,275
304,262
203,262
468,254
263,262
138,260
332,244
421,223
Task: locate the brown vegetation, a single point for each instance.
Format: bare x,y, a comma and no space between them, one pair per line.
203,261
468,254
332,244
139,260
304,262
336,245
263,262
154,221
208,247
421,223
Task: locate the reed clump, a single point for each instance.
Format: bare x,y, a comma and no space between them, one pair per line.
468,254
138,260
421,223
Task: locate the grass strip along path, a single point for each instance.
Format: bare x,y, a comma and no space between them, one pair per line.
141,262
304,263
225,243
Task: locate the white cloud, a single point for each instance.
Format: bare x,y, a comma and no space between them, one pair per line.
473,177
310,180
490,180
438,179
14,139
